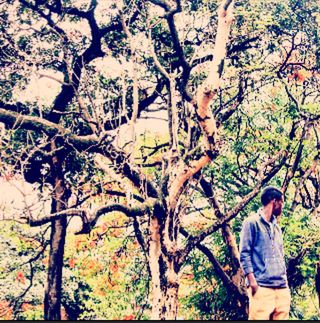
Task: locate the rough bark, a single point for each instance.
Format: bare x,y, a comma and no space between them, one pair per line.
52,300
164,271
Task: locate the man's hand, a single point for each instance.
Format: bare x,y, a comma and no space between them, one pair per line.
254,289
253,284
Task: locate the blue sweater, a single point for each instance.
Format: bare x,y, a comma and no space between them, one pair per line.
261,251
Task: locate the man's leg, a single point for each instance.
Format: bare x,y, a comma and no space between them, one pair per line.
283,300
262,304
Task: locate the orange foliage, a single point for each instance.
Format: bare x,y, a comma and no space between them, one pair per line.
100,292
5,311
104,226
20,277
93,243
115,233
114,268
45,261
136,243
129,317
110,284
198,225
188,276
79,244
64,315
227,267
72,263
86,188
90,267
26,307
300,75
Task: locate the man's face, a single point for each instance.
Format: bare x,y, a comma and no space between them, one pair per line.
277,207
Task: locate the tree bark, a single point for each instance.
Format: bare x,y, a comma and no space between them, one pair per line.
164,272
317,278
52,300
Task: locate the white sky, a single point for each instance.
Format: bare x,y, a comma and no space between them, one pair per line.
15,196
42,90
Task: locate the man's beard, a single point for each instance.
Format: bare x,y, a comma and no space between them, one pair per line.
276,213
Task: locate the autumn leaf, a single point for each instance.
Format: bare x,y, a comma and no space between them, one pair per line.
78,244
300,75
5,311
129,317
188,276
45,261
113,268
227,267
20,277
91,264
210,289
26,307
93,244
104,226
115,233
72,263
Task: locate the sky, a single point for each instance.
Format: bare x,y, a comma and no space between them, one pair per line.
42,89
44,86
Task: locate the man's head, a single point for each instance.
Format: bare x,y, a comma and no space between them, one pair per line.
273,197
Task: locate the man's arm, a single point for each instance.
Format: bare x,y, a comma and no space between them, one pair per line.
246,244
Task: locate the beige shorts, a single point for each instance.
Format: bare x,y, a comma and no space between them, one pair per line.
269,303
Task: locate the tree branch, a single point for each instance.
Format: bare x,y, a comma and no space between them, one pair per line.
90,143
228,283
292,169
193,240
211,85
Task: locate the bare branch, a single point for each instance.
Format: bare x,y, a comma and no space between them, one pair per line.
90,222
162,3
292,169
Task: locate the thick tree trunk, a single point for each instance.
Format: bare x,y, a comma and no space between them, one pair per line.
164,276
170,293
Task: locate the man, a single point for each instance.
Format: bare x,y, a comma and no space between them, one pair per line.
262,260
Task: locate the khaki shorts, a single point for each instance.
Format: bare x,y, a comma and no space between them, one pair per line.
269,303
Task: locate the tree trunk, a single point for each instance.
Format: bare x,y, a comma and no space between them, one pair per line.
318,281
164,275
52,300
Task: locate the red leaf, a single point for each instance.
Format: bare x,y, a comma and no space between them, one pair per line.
72,263
20,277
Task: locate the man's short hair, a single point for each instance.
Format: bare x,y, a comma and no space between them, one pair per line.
270,193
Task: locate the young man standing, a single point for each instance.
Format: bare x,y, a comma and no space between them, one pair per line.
262,260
